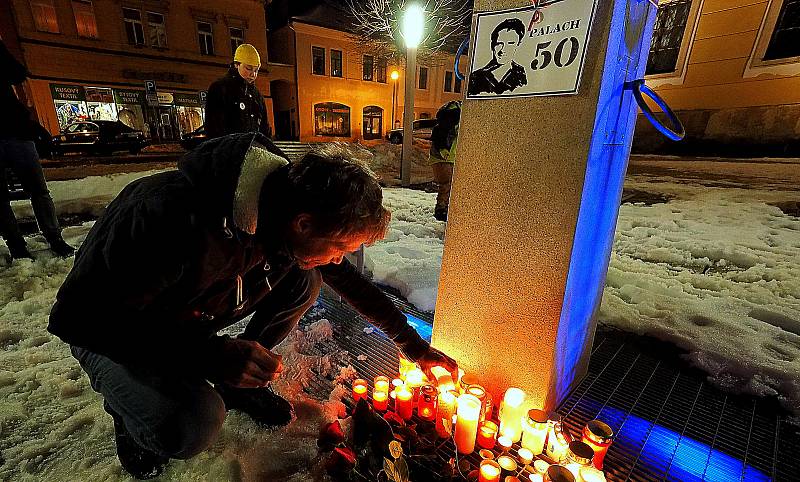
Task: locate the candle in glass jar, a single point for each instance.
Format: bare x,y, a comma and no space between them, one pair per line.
484,397
468,412
445,409
465,380
525,456
443,379
487,434
598,435
426,405
380,400
540,466
505,443
508,464
511,413
559,473
489,471
406,366
591,474
415,378
486,454
557,442
359,389
404,402
381,384
534,431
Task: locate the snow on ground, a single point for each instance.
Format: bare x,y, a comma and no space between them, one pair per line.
714,271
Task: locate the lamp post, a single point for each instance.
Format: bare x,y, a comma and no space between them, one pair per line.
394,75
412,28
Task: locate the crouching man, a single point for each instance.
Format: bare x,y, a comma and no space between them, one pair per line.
177,256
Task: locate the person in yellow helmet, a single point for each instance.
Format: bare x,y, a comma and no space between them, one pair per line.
234,103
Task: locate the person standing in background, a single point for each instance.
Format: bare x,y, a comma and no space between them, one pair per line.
444,138
234,103
20,135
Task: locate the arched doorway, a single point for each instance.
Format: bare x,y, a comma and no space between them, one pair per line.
373,122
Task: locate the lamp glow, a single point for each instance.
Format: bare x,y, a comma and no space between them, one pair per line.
394,75
413,25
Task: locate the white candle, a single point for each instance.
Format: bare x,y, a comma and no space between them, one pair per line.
445,410
525,456
444,381
591,474
511,413
468,412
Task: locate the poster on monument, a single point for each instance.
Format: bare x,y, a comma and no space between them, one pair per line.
531,51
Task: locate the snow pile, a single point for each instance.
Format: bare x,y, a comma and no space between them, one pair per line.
410,257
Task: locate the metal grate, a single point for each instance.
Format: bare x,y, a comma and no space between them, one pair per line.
670,424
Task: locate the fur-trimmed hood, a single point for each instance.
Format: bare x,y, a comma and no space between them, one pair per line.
230,172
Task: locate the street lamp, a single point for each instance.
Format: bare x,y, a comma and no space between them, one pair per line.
394,76
412,28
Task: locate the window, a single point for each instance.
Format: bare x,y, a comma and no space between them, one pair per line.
785,40
157,29
424,115
318,60
84,18
368,67
133,26
205,36
331,120
667,36
373,122
448,81
380,71
457,85
44,16
423,78
336,63
237,38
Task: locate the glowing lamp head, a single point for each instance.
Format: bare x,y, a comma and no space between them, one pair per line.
413,25
394,75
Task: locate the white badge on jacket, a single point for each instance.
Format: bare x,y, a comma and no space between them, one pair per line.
241,105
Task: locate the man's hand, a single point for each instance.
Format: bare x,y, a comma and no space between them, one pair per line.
434,358
247,364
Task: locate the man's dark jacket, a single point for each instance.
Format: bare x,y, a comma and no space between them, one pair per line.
483,80
16,121
234,105
156,277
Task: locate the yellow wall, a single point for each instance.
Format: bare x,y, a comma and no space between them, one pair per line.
351,90
68,59
718,56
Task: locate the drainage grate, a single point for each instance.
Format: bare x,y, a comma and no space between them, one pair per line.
670,424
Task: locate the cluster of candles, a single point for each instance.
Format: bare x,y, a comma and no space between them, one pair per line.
542,437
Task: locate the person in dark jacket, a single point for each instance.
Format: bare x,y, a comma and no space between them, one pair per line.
444,138
177,256
19,135
233,103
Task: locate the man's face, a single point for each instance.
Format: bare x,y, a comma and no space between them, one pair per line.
248,72
506,46
311,252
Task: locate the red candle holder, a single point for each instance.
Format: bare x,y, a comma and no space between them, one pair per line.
359,389
599,436
487,434
404,402
426,405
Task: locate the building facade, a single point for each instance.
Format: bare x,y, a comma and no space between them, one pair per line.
340,92
731,71
95,59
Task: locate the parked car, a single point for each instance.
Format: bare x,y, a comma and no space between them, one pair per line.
99,137
421,129
190,140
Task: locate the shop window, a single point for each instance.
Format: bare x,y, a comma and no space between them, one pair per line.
158,29
318,60
368,67
331,120
336,63
380,71
423,78
237,38
133,26
85,20
785,40
425,115
100,103
44,16
457,85
448,81
205,37
668,32
373,122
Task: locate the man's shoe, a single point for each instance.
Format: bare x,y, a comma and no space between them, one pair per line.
19,251
440,214
60,247
141,463
262,404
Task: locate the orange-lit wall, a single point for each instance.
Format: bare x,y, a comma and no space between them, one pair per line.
351,90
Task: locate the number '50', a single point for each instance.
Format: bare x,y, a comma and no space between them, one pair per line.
543,54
